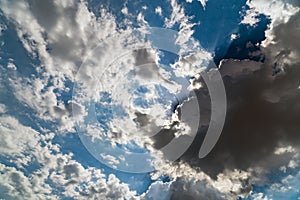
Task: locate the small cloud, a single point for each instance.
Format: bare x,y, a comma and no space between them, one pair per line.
125,11
234,36
284,150
158,11
251,17
111,160
11,65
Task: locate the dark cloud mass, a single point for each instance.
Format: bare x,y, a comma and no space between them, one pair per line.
263,112
263,108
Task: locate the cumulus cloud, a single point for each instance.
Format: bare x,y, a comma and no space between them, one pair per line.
261,128
192,183
278,11
15,138
15,185
24,146
251,17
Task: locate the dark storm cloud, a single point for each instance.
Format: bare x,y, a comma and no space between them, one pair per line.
263,108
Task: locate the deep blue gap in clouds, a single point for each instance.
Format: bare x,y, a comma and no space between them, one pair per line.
218,21
242,47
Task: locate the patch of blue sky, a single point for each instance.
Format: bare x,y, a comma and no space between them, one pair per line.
217,21
141,90
245,44
12,50
279,186
217,25
132,147
142,102
146,8
166,58
214,37
25,115
105,97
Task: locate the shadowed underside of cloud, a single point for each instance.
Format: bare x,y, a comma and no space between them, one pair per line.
263,111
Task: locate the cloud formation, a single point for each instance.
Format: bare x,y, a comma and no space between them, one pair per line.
260,133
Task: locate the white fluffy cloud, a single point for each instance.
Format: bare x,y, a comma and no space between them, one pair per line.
278,11
22,145
15,138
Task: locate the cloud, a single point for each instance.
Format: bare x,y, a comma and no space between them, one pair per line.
16,139
15,185
158,10
261,128
203,2
2,108
278,11
59,35
262,112
21,146
192,183
56,174
251,17
158,190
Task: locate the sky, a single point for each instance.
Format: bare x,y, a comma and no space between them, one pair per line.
75,72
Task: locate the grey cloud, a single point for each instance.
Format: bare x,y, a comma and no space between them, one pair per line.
229,67
181,189
256,123
143,56
71,170
45,12
263,108
285,49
